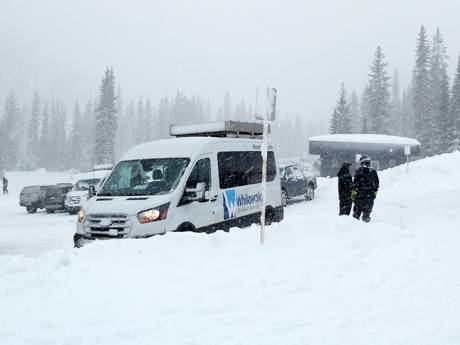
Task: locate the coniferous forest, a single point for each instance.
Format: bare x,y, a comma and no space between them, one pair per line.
428,109
46,133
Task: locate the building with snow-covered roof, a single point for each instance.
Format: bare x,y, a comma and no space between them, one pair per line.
386,151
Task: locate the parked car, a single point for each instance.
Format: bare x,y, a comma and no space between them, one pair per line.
80,191
294,184
55,197
203,181
33,197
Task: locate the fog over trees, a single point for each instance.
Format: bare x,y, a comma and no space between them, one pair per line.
426,110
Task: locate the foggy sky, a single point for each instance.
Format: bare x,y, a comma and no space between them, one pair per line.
304,48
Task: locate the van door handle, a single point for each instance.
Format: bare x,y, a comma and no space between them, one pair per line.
214,198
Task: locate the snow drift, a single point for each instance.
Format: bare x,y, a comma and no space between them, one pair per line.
320,278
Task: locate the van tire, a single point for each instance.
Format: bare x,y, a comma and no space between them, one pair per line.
186,227
310,192
269,215
31,209
284,198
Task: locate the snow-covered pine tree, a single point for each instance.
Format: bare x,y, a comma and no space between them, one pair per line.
396,123
148,121
140,131
9,130
438,122
354,113
76,138
106,120
364,109
379,95
454,110
121,128
421,92
44,140
33,133
164,110
340,120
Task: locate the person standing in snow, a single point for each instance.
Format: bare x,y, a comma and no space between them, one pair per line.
364,189
5,185
345,181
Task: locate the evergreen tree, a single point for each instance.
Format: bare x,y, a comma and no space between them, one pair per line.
454,111
9,134
33,133
397,123
76,139
364,109
421,92
106,120
120,142
148,121
163,118
44,141
438,123
140,122
379,97
354,113
341,121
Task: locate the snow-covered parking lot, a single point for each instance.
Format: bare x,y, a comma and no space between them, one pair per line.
319,279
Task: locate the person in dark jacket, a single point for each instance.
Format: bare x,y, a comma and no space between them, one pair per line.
345,181
5,185
364,189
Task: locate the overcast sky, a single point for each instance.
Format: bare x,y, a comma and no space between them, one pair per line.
304,48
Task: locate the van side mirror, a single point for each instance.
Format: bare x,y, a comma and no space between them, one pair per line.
91,191
198,193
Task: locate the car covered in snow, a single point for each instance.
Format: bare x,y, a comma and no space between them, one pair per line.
33,197
55,197
295,184
194,182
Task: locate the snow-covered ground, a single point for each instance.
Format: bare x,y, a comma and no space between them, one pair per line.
319,279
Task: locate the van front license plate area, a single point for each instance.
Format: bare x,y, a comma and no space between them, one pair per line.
113,232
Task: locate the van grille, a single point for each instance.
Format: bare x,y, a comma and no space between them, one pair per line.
100,224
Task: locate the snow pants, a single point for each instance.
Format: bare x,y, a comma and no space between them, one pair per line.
345,206
5,189
363,206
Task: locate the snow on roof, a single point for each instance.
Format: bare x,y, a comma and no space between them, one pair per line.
184,147
367,138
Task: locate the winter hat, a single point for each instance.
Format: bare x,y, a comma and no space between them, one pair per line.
365,160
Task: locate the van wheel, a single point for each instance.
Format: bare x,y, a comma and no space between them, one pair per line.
269,215
31,209
186,227
284,198
310,192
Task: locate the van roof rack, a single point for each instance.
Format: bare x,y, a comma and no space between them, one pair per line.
223,129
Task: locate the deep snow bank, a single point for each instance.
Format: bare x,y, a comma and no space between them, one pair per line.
320,278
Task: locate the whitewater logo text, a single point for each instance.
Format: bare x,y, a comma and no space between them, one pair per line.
235,204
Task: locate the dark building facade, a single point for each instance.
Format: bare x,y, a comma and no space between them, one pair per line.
386,151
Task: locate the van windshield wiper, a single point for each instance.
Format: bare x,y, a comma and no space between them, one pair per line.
107,192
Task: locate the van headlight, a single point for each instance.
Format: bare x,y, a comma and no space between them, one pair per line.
153,214
81,216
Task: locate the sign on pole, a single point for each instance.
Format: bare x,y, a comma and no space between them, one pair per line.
265,110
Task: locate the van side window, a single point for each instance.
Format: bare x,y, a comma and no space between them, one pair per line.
201,173
243,168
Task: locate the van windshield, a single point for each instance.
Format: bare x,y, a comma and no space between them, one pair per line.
144,177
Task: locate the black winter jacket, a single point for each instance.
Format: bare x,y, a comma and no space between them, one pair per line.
345,181
366,182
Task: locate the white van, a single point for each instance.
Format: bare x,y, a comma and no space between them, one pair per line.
191,183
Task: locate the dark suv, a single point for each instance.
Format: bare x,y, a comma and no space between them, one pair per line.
55,197
294,184
33,197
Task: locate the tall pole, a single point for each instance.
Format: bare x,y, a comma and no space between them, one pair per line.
264,150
